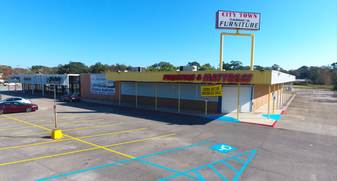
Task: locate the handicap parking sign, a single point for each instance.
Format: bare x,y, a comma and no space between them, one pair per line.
223,148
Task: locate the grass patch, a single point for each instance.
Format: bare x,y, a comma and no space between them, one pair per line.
314,86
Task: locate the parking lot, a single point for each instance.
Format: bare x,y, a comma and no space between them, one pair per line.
103,142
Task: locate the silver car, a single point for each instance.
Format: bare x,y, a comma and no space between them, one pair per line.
17,99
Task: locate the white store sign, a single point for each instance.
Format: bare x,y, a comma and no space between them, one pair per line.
237,20
99,85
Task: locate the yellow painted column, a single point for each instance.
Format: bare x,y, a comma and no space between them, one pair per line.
252,53
119,90
221,42
179,97
156,97
136,95
274,101
269,101
238,110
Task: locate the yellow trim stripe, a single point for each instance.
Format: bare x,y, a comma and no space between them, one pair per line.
39,158
75,129
51,124
44,120
56,141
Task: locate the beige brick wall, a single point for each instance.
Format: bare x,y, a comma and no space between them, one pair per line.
172,103
261,94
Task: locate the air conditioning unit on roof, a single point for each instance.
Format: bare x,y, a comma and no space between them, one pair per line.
188,68
138,69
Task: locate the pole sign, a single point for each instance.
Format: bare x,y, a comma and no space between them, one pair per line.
237,20
211,91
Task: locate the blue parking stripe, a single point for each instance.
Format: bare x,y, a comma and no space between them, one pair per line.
121,162
165,168
218,173
230,166
221,161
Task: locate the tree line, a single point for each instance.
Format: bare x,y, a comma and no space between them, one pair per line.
323,75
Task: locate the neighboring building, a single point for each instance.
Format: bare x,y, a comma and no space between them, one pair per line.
44,84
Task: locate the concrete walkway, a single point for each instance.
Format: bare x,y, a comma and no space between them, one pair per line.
259,117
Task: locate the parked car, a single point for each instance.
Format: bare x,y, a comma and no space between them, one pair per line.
6,84
7,107
70,97
17,99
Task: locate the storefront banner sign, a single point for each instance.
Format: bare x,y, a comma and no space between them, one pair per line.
237,20
211,90
99,85
228,78
55,80
27,79
13,79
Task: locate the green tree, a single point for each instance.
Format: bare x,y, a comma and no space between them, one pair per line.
303,72
72,68
99,68
275,67
6,73
296,73
193,64
161,66
207,66
226,66
236,65
37,67
258,67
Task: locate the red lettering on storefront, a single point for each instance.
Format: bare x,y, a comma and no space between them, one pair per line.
218,77
207,77
224,77
192,77
213,77
230,77
243,76
236,77
199,77
249,77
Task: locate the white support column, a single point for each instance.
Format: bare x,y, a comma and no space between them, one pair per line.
42,85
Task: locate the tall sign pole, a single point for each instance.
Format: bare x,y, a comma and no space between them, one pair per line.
55,112
56,133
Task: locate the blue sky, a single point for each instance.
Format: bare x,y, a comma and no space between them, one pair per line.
144,32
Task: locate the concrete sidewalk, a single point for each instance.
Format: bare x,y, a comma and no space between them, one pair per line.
259,117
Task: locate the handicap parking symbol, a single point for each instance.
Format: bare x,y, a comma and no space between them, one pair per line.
223,148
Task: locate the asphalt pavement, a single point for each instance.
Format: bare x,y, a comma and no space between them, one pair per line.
104,142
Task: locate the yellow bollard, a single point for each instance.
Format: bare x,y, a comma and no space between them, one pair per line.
56,134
